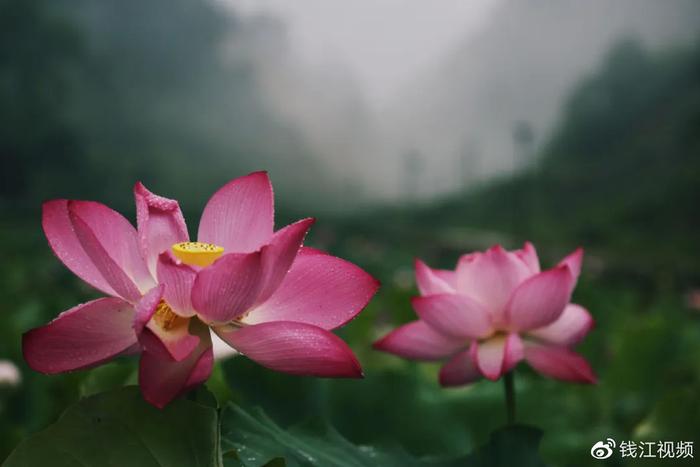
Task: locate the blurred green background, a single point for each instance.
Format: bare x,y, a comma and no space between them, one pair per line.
178,94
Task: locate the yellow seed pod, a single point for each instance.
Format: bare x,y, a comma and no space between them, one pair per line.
197,253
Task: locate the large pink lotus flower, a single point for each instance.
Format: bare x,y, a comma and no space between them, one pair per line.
258,290
493,311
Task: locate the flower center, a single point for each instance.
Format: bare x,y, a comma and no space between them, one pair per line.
166,318
197,253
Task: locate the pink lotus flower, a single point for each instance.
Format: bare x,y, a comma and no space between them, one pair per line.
258,290
495,310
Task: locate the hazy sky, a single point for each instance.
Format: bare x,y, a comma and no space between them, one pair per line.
385,43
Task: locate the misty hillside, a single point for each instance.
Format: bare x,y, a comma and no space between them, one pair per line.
155,89
189,94
517,72
622,171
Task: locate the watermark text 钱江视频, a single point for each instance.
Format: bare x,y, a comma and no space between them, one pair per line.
643,449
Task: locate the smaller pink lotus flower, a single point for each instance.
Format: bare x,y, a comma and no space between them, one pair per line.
496,309
259,290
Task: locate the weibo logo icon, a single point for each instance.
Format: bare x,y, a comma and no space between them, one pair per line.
603,449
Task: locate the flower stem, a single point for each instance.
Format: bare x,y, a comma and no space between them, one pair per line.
509,386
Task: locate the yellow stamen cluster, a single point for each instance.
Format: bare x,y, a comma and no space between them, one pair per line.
166,318
197,253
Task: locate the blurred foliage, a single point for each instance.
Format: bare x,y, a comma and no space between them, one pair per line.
94,95
254,440
120,428
37,55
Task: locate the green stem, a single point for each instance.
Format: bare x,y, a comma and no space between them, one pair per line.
509,386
